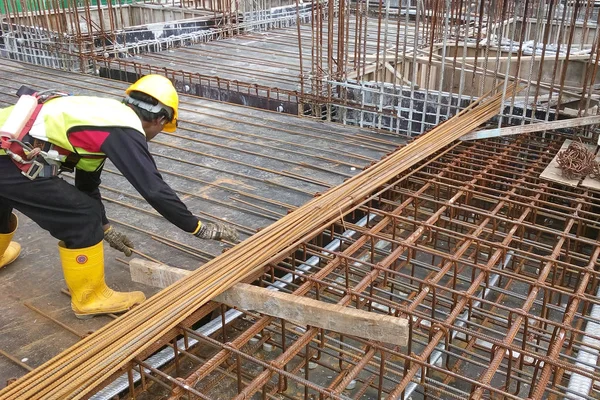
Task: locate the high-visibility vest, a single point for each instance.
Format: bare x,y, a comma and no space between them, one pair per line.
59,116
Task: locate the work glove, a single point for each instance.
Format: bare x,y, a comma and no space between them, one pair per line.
118,240
217,231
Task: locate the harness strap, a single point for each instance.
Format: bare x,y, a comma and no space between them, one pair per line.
28,163
71,159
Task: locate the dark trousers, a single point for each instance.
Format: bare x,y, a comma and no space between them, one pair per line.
55,205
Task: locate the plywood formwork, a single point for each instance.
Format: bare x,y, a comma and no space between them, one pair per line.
229,163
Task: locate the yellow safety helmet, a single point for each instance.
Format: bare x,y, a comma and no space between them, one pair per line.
160,88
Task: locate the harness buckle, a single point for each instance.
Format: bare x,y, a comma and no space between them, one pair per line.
35,168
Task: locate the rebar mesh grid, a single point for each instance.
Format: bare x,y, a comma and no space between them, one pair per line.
495,268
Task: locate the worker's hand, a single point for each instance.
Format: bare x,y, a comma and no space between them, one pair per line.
217,231
118,240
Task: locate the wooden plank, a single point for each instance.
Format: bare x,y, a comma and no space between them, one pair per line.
592,183
537,127
154,274
300,310
553,171
304,311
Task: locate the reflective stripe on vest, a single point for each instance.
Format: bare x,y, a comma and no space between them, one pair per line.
59,116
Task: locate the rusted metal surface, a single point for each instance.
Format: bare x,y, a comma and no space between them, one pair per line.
496,269
258,197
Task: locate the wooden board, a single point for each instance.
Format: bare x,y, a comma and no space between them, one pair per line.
553,171
154,274
309,312
300,310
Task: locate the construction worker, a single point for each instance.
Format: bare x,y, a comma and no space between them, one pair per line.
80,132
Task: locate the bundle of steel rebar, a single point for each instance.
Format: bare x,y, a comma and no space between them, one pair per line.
79,370
576,161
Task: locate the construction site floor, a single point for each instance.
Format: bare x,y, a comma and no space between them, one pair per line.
271,59
229,163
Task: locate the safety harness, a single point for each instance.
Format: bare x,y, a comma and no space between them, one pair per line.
40,158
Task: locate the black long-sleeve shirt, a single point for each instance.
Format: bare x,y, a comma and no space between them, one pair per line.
127,149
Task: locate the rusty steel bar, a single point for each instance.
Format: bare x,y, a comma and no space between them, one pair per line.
261,379
516,325
461,168
561,335
460,213
264,321
462,302
15,360
463,165
57,322
335,34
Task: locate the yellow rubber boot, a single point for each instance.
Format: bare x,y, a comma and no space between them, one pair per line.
84,274
9,251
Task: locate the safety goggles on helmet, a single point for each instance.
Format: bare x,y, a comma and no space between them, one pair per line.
151,108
